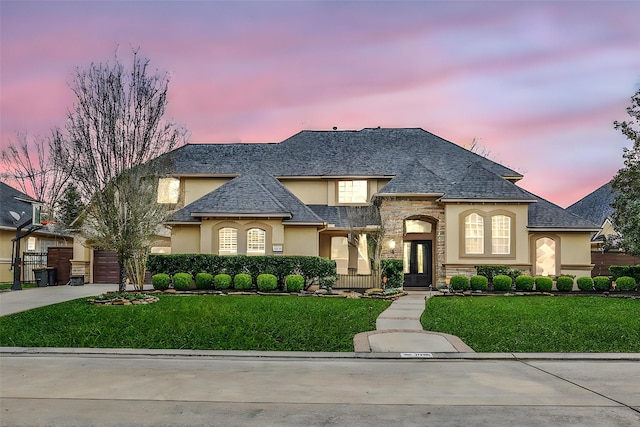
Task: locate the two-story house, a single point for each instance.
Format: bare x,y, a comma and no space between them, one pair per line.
440,207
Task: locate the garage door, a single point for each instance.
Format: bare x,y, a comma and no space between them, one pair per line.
105,267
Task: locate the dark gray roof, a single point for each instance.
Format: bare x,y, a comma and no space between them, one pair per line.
544,214
249,195
347,216
481,184
595,207
415,179
16,201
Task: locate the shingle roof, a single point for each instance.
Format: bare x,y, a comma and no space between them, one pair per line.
16,201
249,195
347,216
544,214
479,183
596,206
415,179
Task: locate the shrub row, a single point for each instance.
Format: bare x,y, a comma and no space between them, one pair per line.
242,281
503,282
625,271
312,269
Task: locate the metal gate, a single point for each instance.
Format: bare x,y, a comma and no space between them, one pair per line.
31,260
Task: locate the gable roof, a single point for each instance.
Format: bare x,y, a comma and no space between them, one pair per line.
16,201
544,214
249,195
596,206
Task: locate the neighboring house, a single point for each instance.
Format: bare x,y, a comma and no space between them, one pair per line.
12,200
596,207
442,208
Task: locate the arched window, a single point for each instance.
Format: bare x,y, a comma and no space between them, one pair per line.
256,238
545,256
228,241
417,226
500,235
473,234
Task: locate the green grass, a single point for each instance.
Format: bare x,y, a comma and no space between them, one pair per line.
538,324
277,323
5,286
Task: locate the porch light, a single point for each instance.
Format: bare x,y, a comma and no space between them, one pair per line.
392,244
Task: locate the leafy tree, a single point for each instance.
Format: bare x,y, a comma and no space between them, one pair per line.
71,205
112,133
626,205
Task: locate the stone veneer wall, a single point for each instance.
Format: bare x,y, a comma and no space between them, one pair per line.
393,212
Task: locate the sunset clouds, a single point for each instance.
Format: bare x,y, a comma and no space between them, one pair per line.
538,83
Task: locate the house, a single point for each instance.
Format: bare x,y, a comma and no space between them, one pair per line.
17,208
596,207
439,207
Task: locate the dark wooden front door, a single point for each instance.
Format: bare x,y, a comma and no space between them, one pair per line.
418,263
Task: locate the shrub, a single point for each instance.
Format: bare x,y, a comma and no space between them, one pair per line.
294,283
267,282
204,280
160,281
564,283
479,283
459,283
585,283
491,271
502,282
601,283
626,283
222,281
242,281
392,269
625,270
543,283
524,283
182,281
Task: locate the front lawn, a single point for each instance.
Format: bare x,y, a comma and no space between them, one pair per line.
278,323
538,323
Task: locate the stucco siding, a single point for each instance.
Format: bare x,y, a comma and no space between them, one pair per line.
301,241
195,188
310,192
185,239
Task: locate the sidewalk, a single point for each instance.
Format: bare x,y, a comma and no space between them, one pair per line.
398,330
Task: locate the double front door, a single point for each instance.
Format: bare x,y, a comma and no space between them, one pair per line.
418,262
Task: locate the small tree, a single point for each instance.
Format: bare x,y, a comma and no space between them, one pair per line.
366,220
113,132
626,205
71,205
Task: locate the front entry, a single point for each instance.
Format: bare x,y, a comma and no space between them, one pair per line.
418,266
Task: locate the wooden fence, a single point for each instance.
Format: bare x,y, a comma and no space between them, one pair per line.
605,260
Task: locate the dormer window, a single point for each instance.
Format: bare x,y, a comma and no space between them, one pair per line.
352,191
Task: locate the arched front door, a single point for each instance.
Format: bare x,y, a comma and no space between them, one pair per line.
418,252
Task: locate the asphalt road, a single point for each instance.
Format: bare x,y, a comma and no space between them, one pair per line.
199,390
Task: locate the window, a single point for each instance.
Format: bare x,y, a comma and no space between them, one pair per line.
352,192
417,226
545,257
474,234
500,235
168,190
256,241
228,241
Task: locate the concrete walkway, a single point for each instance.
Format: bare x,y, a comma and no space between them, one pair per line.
398,330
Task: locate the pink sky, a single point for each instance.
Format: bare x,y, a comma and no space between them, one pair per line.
538,83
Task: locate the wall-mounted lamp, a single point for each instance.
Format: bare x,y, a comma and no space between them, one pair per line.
392,246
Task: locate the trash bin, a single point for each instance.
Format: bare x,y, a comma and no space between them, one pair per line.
52,279
41,277
76,281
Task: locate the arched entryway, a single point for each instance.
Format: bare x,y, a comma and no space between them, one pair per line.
418,247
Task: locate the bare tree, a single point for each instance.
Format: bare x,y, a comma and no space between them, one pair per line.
114,130
28,164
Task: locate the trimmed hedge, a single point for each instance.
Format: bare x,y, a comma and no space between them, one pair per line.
294,283
524,283
585,283
479,283
160,281
312,269
204,280
393,270
564,283
267,282
626,283
182,281
625,270
502,282
459,283
543,283
222,281
491,271
242,282
601,283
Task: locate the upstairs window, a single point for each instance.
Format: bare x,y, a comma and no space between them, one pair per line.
500,235
168,190
496,238
352,191
256,241
228,241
